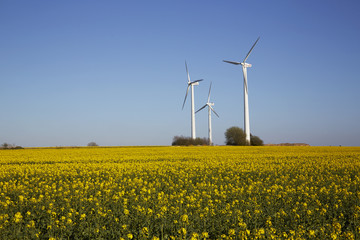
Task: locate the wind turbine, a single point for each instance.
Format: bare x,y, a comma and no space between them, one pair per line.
210,108
245,65
191,84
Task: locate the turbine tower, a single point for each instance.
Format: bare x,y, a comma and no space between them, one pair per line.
210,108
191,84
245,65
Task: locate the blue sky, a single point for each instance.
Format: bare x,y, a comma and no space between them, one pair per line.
113,72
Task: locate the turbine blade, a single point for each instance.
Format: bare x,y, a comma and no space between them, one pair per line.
251,49
209,92
196,81
187,72
201,108
187,90
236,63
214,111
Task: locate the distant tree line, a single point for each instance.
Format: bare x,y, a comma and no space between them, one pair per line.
188,141
10,146
92,144
234,136
288,144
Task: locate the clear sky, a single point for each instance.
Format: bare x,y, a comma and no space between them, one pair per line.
113,72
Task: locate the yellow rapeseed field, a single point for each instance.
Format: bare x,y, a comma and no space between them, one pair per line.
180,193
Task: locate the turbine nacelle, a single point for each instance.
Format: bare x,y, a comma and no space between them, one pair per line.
194,83
246,65
232,62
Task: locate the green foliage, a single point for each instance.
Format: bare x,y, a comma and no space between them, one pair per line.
5,145
256,141
92,144
235,136
10,146
188,141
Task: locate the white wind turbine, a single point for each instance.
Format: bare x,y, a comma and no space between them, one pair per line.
210,108
245,65
191,84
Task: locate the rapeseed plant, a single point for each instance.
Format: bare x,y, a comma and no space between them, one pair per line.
181,193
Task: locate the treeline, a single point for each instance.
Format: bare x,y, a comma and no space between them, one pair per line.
288,144
10,146
188,141
233,136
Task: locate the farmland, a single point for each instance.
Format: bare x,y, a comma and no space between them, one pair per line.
180,193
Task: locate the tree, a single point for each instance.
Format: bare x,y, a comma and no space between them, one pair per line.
235,136
10,146
256,141
5,145
188,141
92,144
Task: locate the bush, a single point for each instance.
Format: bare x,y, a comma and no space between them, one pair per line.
5,145
92,144
256,141
236,136
188,141
10,146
